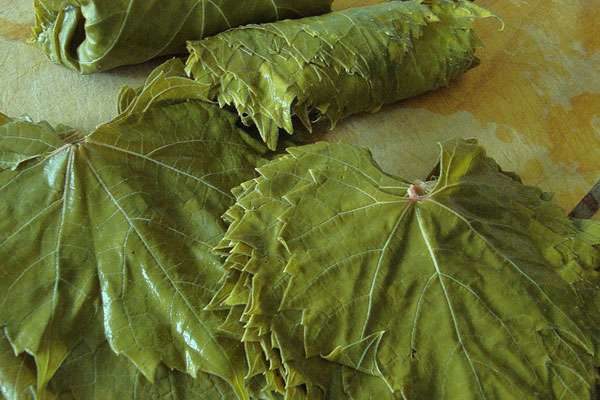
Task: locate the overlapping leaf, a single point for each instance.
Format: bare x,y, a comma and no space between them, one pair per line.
251,298
335,65
93,370
469,286
17,374
27,141
121,220
255,284
97,35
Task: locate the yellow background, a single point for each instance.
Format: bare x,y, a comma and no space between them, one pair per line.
534,101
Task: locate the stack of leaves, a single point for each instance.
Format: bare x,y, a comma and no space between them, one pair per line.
345,282
333,279
332,66
105,248
97,35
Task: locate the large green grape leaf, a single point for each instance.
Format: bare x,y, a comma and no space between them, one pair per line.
332,66
97,35
122,219
460,283
472,285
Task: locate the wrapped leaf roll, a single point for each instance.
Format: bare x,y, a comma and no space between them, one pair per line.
97,35
338,64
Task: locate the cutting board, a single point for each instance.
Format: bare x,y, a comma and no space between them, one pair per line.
534,101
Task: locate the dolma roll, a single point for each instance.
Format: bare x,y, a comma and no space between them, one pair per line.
98,35
331,66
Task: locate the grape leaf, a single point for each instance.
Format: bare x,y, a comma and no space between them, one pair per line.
17,374
93,370
122,219
97,35
165,83
332,66
24,141
99,373
254,286
471,285
248,302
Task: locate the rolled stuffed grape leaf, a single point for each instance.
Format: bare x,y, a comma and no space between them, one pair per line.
332,66
122,219
471,285
98,35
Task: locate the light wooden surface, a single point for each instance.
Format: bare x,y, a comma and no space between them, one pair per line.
534,101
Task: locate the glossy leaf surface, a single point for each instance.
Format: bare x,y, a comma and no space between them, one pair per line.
122,220
93,371
17,374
